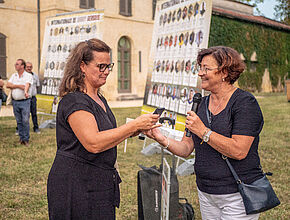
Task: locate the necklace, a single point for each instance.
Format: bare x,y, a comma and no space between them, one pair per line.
211,113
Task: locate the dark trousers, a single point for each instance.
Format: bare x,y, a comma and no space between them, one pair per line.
33,112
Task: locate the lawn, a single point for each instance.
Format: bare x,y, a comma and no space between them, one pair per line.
24,170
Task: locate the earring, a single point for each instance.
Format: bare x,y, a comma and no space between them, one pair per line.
83,75
223,79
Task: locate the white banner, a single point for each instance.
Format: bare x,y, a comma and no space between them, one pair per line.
181,29
62,33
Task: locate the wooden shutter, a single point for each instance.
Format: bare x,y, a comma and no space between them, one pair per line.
126,7
91,3
129,7
83,4
122,7
3,56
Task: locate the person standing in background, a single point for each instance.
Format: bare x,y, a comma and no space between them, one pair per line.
33,104
20,83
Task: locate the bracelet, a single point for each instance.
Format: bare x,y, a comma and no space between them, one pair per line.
167,144
204,135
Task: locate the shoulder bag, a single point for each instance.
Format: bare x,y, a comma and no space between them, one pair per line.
258,196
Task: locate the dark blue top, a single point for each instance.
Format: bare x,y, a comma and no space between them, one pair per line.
81,184
65,137
241,116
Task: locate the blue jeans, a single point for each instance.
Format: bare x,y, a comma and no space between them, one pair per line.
34,113
21,111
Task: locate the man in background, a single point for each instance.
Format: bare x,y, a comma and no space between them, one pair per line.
19,83
33,107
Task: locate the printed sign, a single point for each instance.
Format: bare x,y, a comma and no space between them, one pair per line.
62,33
181,29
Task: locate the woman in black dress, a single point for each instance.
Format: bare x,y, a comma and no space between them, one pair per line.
83,182
228,122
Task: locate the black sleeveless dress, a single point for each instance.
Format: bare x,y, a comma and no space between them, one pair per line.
82,185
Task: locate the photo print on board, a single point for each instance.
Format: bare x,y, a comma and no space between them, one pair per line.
178,14
196,8
184,12
191,38
183,100
199,38
190,11
173,16
203,8
181,39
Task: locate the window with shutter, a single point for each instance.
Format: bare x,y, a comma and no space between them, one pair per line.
3,56
83,3
91,3
86,4
124,65
126,7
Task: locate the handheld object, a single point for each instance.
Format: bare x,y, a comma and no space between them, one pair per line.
159,111
196,101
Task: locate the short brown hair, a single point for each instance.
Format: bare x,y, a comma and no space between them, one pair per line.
228,60
22,62
73,79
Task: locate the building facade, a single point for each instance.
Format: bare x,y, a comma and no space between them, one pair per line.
128,27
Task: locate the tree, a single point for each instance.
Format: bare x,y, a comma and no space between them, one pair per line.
254,3
282,11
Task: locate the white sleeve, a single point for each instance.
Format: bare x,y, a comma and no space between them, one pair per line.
11,78
30,79
37,81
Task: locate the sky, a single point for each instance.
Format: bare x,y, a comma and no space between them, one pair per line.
267,8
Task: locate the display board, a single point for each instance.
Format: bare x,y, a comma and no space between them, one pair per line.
181,29
62,33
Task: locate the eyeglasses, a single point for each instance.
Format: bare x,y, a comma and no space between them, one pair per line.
104,66
205,69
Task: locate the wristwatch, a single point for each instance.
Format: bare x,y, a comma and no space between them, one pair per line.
205,137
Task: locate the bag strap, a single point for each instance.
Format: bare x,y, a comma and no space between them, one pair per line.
236,177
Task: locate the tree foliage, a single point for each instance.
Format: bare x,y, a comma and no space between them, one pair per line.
282,11
270,44
254,3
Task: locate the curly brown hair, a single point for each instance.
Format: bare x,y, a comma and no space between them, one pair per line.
73,79
228,60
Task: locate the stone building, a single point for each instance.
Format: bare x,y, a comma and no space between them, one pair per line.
127,26
128,30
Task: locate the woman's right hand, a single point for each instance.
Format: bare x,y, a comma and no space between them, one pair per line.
155,134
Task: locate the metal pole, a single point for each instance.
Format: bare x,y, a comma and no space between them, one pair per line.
38,33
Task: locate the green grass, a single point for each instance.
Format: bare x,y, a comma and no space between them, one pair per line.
24,170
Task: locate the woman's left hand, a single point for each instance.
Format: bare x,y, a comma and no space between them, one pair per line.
194,124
